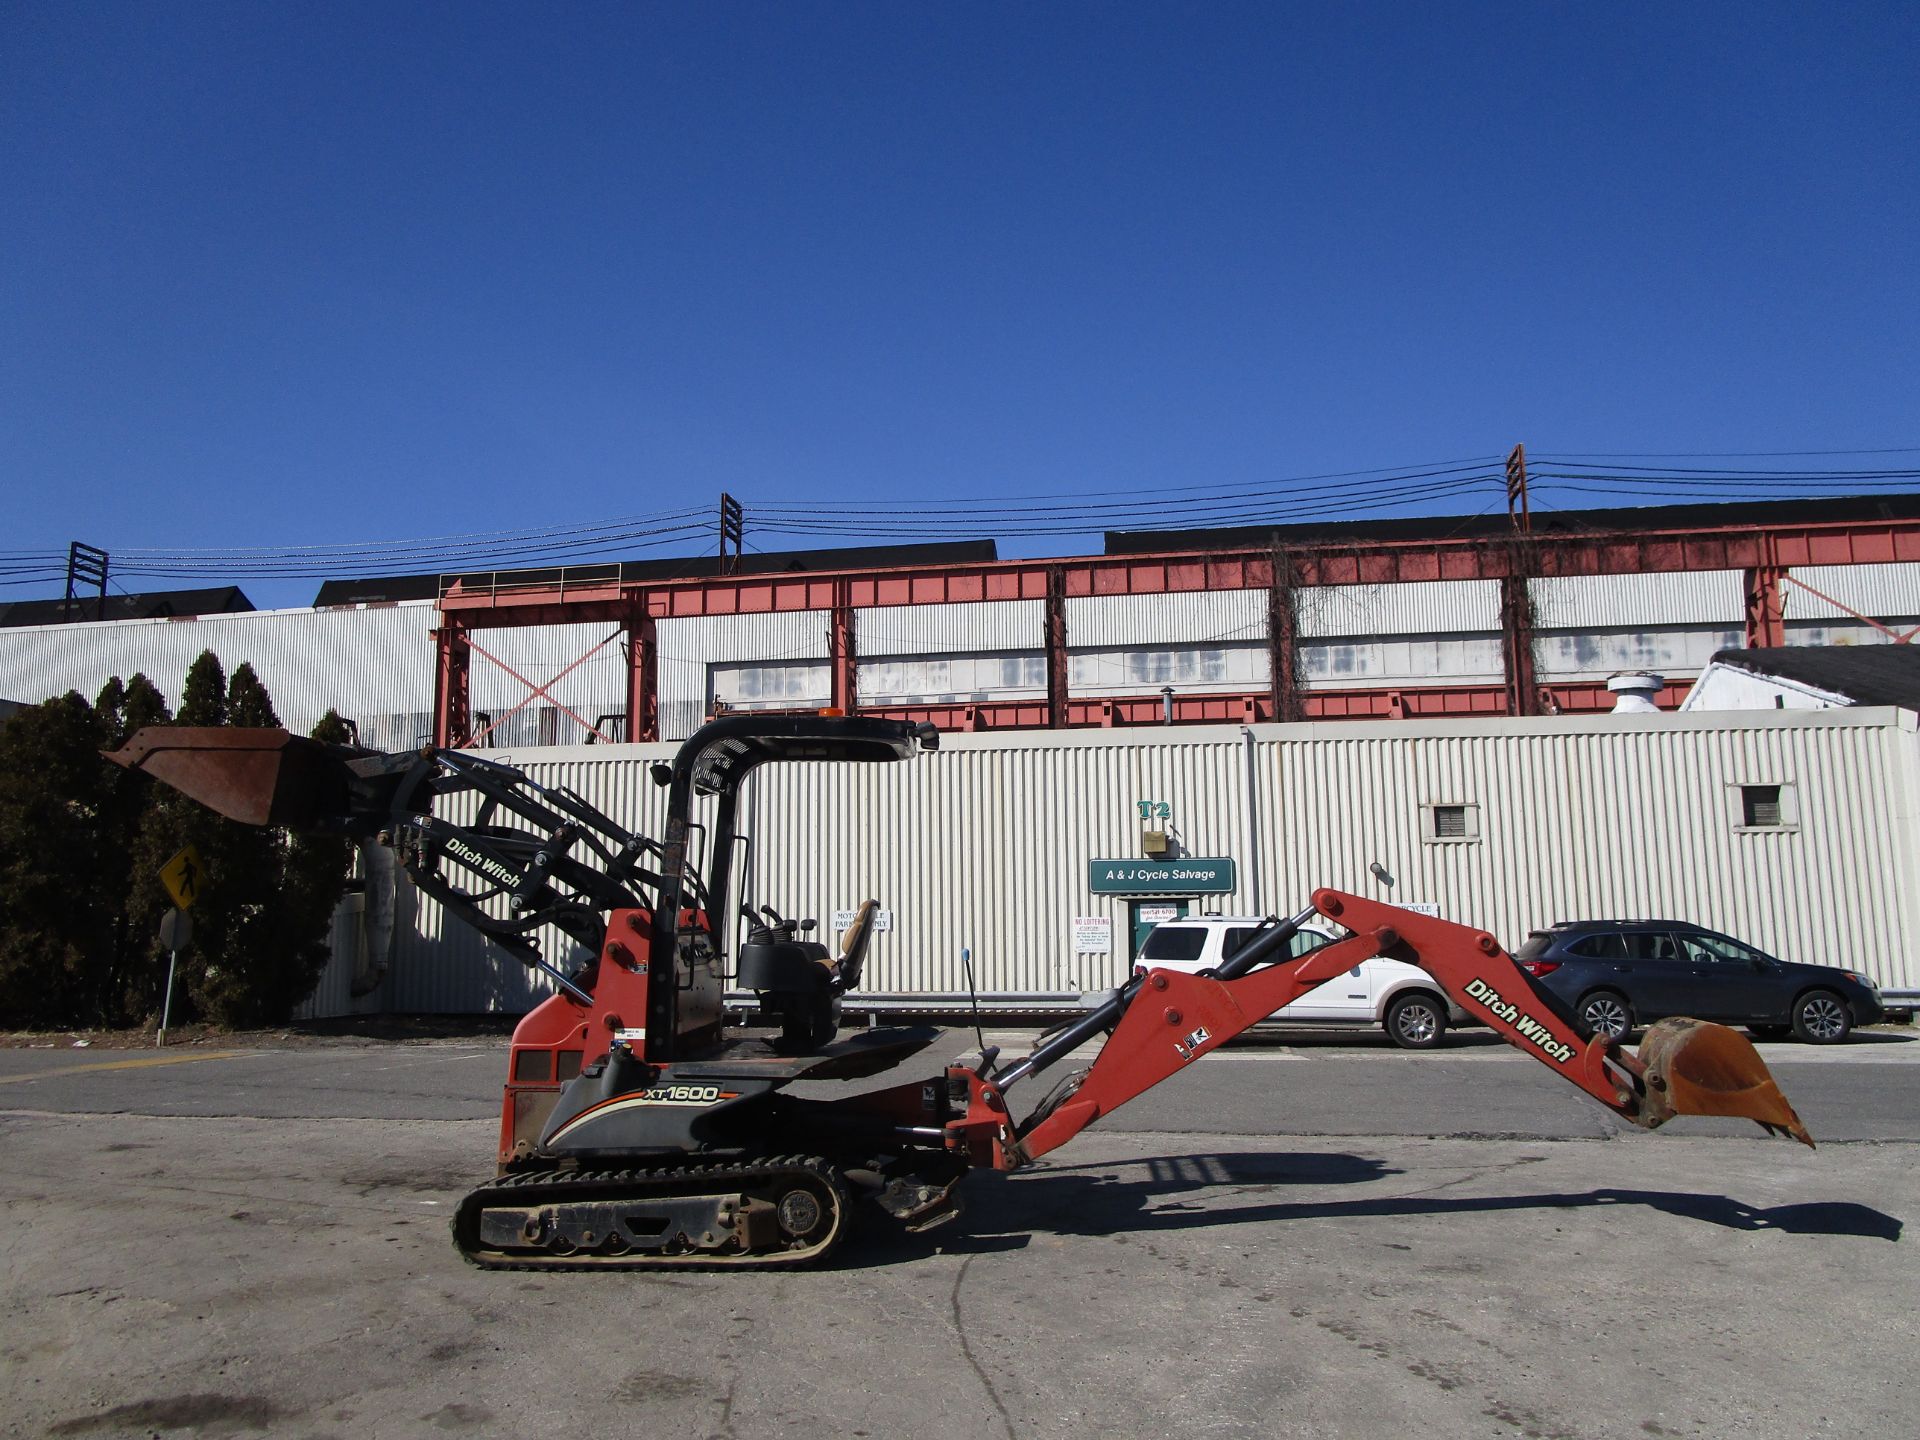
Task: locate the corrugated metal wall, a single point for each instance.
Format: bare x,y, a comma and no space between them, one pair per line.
1885,592
1198,617
1409,660
376,664
367,662
985,844
964,628
1436,607
689,646
1625,816
1588,627
1672,651
1706,597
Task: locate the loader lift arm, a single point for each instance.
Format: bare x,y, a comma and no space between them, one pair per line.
1163,1021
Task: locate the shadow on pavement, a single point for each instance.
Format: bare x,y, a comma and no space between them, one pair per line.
1003,1213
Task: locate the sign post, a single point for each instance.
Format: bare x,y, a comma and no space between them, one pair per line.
184,876
176,929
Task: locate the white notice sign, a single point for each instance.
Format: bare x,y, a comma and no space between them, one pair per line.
1158,914
882,920
1092,935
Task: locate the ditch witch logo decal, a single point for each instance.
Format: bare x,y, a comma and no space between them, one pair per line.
1531,1030
485,864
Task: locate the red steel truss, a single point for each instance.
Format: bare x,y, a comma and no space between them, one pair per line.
1763,551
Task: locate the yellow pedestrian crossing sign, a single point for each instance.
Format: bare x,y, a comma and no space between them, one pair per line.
184,876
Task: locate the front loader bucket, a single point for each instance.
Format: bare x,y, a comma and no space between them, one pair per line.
255,776
1697,1068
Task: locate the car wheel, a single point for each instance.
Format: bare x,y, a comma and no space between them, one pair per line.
1770,1032
1606,1012
1416,1022
1821,1017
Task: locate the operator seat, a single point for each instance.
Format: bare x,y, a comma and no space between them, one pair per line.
801,982
853,946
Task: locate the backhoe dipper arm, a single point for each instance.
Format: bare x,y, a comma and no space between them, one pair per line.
1165,1020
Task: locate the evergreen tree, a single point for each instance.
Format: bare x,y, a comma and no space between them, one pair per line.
262,921
317,870
203,699
168,824
56,914
82,844
130,975
247,700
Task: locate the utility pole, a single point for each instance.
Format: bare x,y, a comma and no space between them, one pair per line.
1516,594
1519,514
733,526
86,565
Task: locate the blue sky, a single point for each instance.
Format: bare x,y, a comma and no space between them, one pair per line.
304,274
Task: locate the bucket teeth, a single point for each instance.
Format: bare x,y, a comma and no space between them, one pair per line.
1693,1067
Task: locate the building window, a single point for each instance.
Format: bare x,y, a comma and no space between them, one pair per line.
952,679
1450,823
1765,807
770,685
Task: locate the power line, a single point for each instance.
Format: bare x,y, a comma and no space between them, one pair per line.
1322,496
1425,467
1717,454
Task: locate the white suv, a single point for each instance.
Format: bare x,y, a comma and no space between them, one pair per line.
1403,999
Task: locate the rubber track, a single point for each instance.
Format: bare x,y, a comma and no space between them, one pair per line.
542,1186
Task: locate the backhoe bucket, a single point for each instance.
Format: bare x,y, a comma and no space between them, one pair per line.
255,776
1697,1068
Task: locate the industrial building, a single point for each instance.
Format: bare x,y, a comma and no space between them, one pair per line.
1240,679
1027,854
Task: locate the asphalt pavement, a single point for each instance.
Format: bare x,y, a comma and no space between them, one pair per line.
1280,1083
1301,1236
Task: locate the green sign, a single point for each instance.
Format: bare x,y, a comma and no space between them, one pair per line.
1161,877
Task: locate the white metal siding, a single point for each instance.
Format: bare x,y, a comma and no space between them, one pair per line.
1580,602
541,653
985,844
792,635
1670,651
363,662
1435,607
1623,817
1189,669
1884,592
1409,660
1200,617
965,628
688,646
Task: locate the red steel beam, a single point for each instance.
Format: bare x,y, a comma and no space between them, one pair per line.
1368,563
1253,707
1765,552
843,648
643,679
452,684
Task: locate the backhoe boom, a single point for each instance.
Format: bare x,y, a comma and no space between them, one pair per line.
1163,1021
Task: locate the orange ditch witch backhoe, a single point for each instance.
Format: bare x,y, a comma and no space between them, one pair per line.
636,1132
